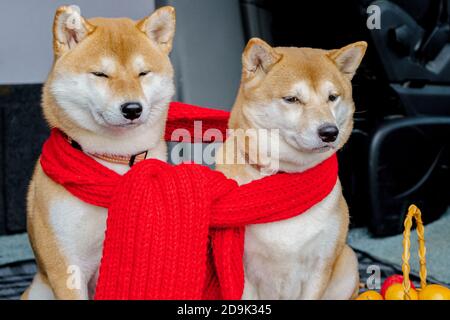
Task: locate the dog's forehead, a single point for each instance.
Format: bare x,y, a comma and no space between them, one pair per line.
138,61
108,64
302,89
307,89
121,37
116,45
306,71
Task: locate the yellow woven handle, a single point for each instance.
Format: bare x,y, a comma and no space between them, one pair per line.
413,212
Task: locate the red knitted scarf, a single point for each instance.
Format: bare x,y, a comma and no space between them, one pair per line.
177,232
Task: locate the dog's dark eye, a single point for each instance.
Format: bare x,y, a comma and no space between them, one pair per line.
333,97
144,73
100,74
291,99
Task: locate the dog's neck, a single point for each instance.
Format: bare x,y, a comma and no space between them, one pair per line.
125,144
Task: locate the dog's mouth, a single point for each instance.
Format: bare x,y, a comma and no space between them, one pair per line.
322,149
297,143
131,124
127,124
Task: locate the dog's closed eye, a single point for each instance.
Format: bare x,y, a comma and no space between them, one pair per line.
100,74
144,73
291,99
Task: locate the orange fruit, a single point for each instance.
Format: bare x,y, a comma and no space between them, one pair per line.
396,292
370,295
434,292
396,278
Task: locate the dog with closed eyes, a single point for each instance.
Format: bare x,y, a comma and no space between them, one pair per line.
108,90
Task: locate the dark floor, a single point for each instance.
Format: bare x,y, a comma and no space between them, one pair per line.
15,277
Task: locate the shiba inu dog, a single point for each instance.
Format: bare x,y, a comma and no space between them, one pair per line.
306,94
109,91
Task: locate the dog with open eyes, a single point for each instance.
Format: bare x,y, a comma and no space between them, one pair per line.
306,94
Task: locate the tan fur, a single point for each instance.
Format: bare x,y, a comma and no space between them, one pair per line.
51,262
304,257
62,229
120,37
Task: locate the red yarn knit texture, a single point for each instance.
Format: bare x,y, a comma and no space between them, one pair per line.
177,232
183,116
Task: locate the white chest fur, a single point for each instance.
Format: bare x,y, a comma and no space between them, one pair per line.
79,229
282,258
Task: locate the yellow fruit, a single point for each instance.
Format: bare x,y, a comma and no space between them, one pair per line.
370,295
434,292
396,292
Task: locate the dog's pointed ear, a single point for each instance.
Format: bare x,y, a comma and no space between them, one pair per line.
160,27
348,58
258,57
69,29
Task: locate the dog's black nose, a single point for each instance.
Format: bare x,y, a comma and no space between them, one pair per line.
328,133
131,110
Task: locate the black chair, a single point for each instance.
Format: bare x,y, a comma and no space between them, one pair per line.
409,156
398,153
23,131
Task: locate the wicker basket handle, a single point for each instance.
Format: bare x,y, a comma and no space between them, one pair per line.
413,212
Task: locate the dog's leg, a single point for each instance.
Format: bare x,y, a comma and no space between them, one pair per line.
68,283
79,229
344,280
250,292
92,285
66,272
314,287
39,289
71,276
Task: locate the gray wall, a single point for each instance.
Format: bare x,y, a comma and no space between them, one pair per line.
25,32
207,51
